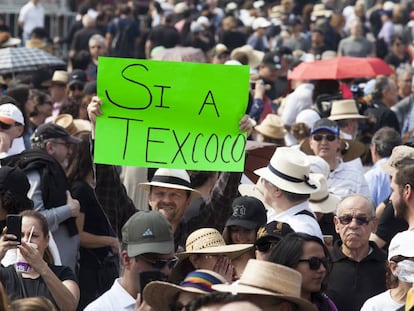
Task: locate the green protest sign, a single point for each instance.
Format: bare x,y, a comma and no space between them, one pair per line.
171,114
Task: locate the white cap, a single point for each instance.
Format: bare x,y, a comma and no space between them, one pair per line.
260,22
308,116
402,244
10,114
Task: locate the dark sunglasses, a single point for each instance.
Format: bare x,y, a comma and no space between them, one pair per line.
76,87
178,306
161,263
360,220
328,137
264,247
5,126
315,262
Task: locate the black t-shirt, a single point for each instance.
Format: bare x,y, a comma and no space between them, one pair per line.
96,221
388,224
32,287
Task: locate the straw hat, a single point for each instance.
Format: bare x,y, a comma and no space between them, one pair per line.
60,77
270,279
171,178
398,154
73,126
196,282
10,42
323,201
210,241
345,109
289,170
254,56
271,126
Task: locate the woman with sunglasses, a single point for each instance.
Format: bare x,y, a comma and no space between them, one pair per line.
308,255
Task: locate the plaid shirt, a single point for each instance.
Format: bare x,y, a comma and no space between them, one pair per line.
212,213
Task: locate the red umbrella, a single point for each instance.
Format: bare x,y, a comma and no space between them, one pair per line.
341,67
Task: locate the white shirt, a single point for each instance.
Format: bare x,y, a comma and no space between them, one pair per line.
31,16
114,299
381,302
346,179
301,222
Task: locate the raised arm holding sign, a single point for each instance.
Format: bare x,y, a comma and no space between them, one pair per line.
171,114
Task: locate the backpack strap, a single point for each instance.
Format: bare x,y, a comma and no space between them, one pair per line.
305,212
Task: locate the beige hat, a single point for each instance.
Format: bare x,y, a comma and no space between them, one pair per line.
60,77
196,282
10,42
289,170
210,241
323,201
271,126
255,57
73,126
254,190
398,154
345,109
270,279
171,178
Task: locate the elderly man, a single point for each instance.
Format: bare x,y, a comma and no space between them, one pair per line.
358,264
287,188
147,244
344,178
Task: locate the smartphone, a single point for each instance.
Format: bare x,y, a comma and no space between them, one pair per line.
14,226
148,276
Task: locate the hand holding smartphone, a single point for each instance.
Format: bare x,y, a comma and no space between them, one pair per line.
14,226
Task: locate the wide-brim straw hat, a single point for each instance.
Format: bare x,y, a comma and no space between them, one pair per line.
323,201
210,241
270,279
73,126
345,109
254,57
271,126
196,282
398,154
289,170
254,190
171,178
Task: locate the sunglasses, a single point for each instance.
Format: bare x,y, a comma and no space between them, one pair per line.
315,262
178,306
5,126
161,263
360,220
264,247
328,137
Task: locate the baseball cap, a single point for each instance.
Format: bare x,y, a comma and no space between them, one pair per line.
402,244
148,232
325,125
274,230
50,131
77,76
248,212
260,22
10,114
272,60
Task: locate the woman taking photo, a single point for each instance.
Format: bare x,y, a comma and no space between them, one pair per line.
57,283
308,255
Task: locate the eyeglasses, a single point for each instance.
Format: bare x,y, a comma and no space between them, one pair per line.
315,262
328,137
178,306
360,220
5,126
161,263
264,247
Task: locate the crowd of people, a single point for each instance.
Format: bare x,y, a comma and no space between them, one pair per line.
326,223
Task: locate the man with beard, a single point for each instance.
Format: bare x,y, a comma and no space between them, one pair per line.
402,196
358,265
44,167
